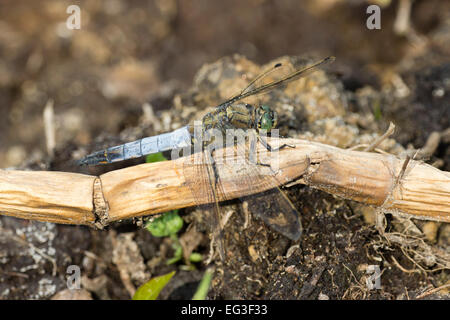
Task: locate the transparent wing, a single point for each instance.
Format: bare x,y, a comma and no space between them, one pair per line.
250,91
219,179
206,192
272,205
260,77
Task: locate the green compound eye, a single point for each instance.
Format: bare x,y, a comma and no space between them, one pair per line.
266,122
266,119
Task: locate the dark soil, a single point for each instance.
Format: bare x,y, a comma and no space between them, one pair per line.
165,53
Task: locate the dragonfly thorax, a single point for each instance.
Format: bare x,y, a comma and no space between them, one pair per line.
242,116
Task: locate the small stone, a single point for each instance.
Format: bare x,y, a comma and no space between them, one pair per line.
444,234
253,253
430,230
68,294
368,213
323,296
15,156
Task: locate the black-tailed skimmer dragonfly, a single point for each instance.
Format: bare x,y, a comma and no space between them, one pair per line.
272,205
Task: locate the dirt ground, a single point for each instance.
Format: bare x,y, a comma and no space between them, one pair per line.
139,68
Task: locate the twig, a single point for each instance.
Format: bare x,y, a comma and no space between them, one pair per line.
49,126
402,268
404,187
380,139
427,293
402,20
430,146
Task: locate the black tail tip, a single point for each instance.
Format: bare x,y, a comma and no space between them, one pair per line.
82,162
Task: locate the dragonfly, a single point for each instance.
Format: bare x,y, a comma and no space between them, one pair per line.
272,206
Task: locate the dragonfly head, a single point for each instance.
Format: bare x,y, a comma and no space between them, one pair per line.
266,118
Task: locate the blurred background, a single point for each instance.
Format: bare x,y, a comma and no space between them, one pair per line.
134,64
131,52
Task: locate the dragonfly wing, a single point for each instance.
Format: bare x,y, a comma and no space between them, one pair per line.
274,84
206,190
277,211
271,205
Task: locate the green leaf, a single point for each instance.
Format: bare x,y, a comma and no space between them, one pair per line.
156,157
186,267
195,257
203,287
177,256
174,222
168,224
377,110
151,289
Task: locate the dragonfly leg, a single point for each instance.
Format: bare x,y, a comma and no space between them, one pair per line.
259,163
262,164
270,148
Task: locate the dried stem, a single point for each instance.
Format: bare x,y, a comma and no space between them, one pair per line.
409,188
